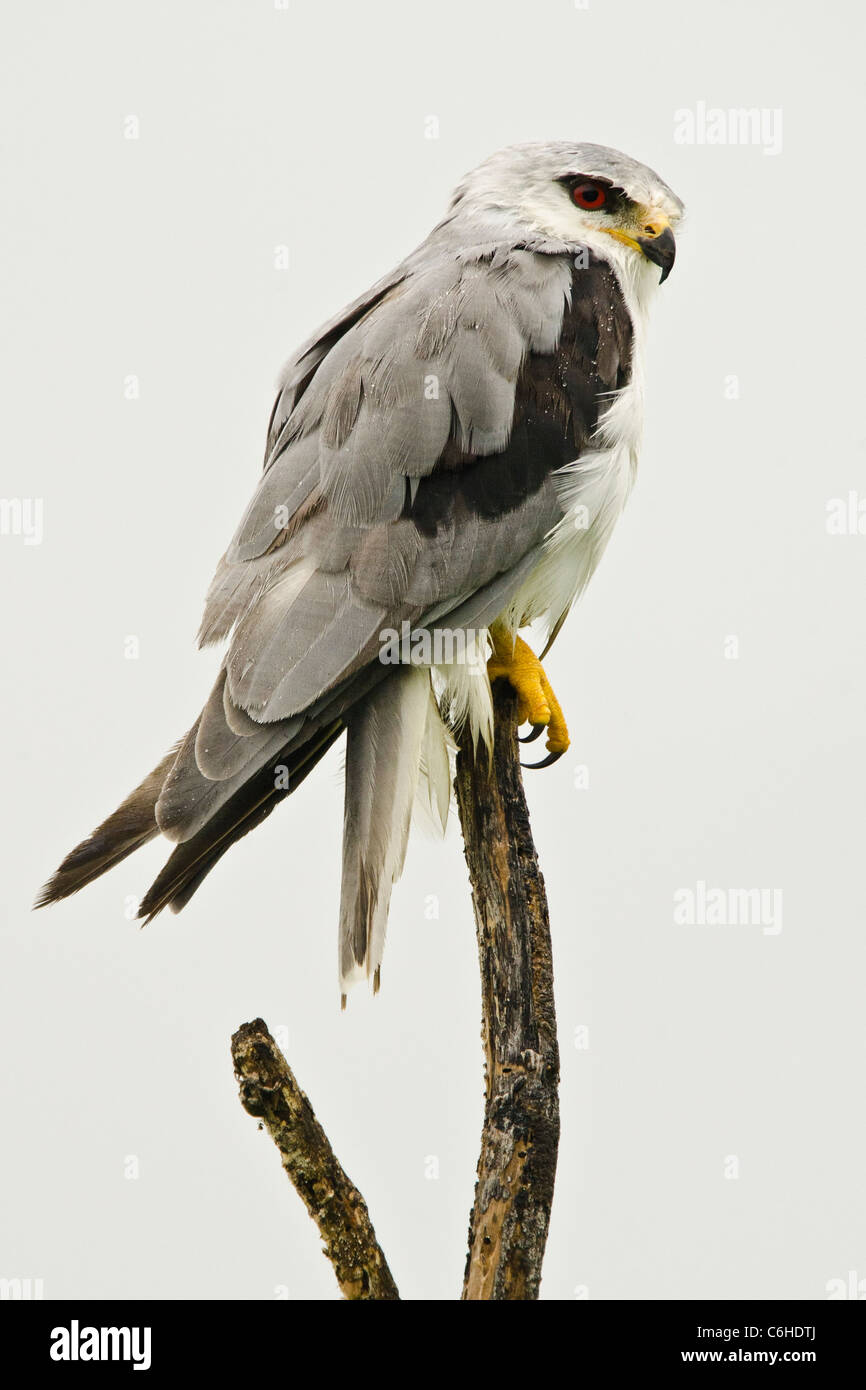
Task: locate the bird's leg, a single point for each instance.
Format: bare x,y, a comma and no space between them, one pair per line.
515,662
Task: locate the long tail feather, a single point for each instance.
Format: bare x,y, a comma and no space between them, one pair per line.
131,825
383,755
193,859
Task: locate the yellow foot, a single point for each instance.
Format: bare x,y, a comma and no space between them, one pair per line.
514,661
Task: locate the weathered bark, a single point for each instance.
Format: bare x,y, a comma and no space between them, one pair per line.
516,1171
517,1167
270,1093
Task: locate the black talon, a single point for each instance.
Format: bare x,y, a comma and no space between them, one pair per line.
545,762
537,731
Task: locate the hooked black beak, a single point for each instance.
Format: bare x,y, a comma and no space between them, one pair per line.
661,250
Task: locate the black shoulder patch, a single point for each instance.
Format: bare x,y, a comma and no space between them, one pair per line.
558,399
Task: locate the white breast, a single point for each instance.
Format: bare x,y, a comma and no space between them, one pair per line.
593,491
594,488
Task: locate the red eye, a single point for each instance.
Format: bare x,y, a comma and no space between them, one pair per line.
589,195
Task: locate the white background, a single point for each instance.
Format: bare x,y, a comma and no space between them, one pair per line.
154,257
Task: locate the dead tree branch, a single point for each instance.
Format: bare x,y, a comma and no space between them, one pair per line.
517,1168
270,1093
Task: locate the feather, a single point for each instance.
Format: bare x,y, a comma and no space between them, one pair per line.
433,796
129,827
383,751
252,802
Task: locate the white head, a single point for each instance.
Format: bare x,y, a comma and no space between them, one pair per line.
575,195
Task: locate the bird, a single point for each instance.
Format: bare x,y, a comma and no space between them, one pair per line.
445,459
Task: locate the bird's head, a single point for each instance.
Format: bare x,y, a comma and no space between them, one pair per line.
579,195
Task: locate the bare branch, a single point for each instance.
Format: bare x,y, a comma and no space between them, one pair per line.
516,1170
270,1093
517,1167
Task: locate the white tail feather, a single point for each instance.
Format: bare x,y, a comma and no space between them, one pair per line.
383,757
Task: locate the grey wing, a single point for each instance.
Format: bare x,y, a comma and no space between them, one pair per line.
302,365
397,488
